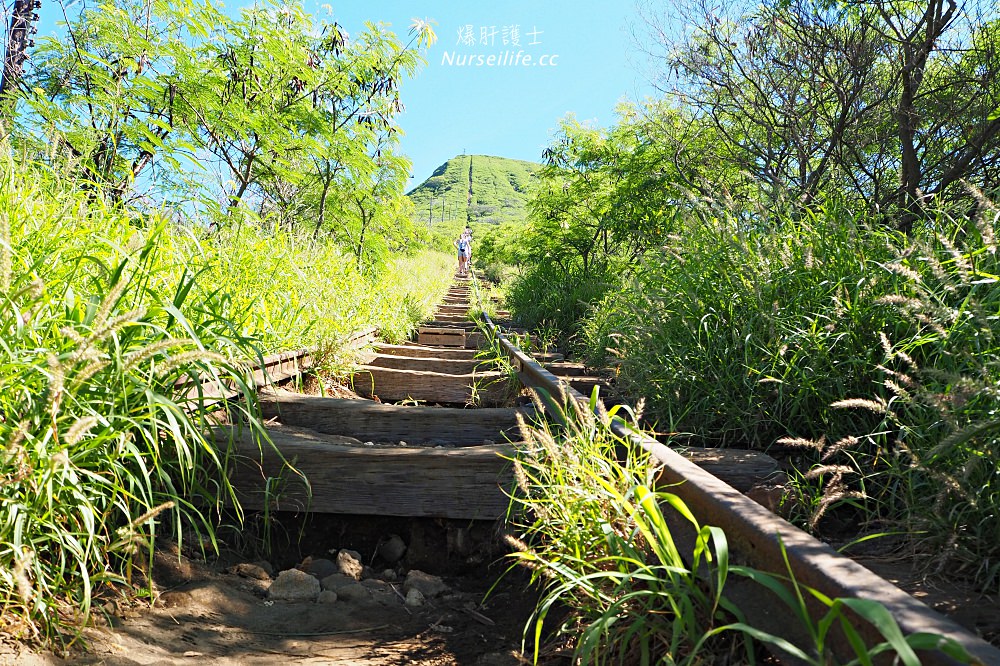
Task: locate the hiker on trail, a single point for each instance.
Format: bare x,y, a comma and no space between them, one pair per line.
468,248
464,246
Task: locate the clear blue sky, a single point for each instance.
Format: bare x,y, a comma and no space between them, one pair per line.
590,64
582,61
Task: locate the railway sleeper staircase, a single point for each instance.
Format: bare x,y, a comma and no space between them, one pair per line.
430,455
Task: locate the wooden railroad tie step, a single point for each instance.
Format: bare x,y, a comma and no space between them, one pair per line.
566,369
415,350
585,385
449,337
346,476
427,364
460,483
369,420
437,335
451,323
391,385
739,468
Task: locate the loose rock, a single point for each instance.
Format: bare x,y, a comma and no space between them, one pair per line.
354,592
336,581
319,567
326,597
248,570
294,585
349,564
392,549
266,566
414,598
429,586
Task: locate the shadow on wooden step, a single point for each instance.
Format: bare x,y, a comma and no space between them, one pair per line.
465,483
368,420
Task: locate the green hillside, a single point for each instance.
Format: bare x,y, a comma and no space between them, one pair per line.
474,188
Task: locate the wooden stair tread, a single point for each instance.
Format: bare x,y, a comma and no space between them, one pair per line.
415,350
441,330
364,419
566,369
427,363
461,483
739,468
391,384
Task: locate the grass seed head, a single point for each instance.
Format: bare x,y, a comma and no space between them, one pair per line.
840,445
802,443
903,271
878,405
79,429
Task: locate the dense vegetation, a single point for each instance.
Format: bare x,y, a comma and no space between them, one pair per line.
794,250
634,578
183,191
474,189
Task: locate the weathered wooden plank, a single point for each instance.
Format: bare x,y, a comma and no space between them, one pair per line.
585,385
415,350
428,364
566,369
740,469
463,483
448,325
392,385
474,340
369,420
454,339
440,329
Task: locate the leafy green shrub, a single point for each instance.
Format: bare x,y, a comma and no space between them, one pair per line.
298,291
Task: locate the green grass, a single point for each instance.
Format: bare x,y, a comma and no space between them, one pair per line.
110,322
596,535
874,356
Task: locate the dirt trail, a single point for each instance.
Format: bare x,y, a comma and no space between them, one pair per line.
224,618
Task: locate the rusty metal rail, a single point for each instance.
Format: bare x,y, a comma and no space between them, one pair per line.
762,540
